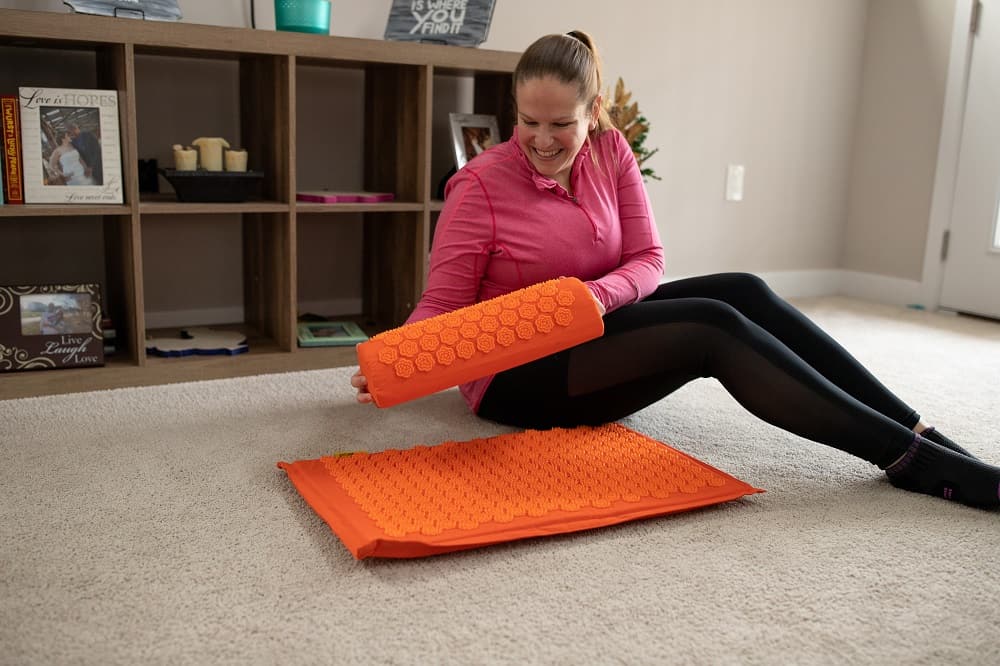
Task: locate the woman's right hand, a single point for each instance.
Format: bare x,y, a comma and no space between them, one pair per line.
360,382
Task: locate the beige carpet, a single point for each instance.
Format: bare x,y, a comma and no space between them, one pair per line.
150,526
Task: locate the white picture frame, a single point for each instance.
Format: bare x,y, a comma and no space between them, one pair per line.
70,146
472,134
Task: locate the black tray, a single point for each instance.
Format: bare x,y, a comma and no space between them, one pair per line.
214,186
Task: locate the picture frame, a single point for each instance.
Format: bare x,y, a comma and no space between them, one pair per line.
329,334
50,326
70,146
458,23
472,134
153,10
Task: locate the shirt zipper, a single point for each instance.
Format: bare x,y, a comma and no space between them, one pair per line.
576,202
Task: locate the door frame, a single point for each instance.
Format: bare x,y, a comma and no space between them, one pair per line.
949,148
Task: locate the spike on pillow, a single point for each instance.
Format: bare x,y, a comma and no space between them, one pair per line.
427,356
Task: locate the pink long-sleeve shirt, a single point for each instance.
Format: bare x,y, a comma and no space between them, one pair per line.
505,226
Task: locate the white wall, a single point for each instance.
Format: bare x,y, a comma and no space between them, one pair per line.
784,87
896,140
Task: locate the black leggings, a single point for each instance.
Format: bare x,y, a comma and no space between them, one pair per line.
772,359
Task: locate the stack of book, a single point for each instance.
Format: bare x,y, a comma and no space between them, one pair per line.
110,336
12,191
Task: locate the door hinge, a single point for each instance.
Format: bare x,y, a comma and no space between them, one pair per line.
944,244
977,10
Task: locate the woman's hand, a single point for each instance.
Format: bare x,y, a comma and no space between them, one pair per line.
360,382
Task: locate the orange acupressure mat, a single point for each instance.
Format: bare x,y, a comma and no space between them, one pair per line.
457,495
421,358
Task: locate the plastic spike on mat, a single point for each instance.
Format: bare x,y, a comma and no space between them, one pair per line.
457,495
423,357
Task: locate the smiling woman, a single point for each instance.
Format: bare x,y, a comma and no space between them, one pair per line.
564,197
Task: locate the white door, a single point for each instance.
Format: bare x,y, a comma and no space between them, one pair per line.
972,269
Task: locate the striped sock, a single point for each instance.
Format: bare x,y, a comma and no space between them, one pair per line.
932,469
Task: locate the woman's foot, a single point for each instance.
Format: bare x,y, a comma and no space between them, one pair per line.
930,468
932,434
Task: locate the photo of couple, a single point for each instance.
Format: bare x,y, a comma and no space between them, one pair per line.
71,146
56,314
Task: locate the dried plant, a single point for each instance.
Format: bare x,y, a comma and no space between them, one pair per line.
627,118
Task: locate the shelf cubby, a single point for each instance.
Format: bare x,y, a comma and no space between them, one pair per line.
313,112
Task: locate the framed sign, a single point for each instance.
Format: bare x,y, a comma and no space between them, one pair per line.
155,10
472,134
456,22
70,146
50,326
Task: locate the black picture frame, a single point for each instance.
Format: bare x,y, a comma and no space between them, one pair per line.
50,326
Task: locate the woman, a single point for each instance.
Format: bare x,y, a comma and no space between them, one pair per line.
564,197
52,322
65,160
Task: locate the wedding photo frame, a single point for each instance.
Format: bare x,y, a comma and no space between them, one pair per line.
472,134
50,326
71,146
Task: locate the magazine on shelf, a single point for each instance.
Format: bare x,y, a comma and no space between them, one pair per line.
327,196
70,146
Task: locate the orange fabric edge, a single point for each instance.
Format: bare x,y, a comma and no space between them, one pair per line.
352,525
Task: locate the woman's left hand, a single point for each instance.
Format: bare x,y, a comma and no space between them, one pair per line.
360,382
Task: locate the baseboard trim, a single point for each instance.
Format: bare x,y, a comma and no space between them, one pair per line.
838,282
882,288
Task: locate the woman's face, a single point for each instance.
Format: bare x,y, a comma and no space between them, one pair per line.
552,125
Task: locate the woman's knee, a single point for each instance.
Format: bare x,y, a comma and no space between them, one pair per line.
749,283
716,313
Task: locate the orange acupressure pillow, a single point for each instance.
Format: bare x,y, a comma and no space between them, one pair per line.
421,358
458,495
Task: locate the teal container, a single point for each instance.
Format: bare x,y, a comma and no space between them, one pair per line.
303,16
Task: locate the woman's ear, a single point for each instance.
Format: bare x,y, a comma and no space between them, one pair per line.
595,112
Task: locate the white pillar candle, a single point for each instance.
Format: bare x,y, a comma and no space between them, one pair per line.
185,159
210,151
236,160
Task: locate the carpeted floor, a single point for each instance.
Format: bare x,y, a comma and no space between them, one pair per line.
151,526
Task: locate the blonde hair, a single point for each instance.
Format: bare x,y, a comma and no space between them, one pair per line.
571,58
